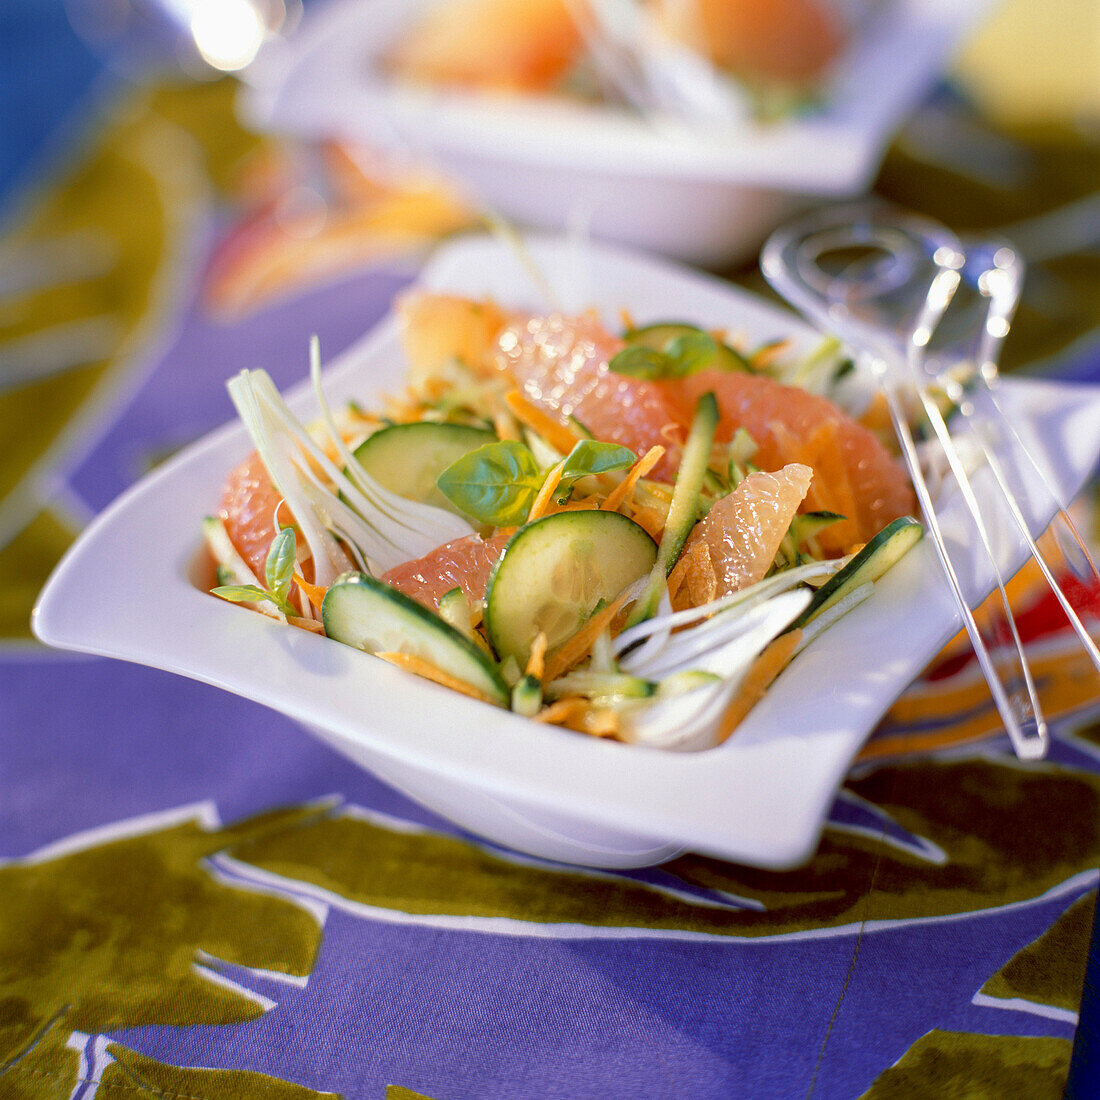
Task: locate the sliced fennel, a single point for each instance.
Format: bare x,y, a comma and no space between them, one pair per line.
690,719
328,504
656,634
305,496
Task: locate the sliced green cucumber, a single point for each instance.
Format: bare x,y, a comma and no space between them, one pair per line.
888,547
683,510
527,696
663,335
362,612
553,573
407,458
604,686
807,525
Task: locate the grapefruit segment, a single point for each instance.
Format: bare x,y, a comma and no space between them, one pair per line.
856,475
461,563
560,364
734,545
247,507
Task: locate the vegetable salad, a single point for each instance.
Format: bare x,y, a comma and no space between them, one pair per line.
628,531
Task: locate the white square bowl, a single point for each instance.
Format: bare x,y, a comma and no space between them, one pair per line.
704,195
128,589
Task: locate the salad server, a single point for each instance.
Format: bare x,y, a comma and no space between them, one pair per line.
884,281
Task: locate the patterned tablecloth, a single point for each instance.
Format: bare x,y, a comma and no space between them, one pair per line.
198,900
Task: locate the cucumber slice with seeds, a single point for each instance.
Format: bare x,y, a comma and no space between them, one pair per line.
663,335
407,458
366,614
553,573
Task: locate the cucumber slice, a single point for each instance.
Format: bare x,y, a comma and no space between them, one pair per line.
555,570
407,458
662,335
527,696
684,509
889,546
807,525
365,613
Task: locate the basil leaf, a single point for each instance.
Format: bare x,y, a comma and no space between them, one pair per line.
640,362
590,456
279,565
691,352
241,593
496,483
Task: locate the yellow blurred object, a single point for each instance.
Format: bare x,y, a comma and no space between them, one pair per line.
1036,62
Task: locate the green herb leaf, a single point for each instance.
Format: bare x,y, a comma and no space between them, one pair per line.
241,593
279,565
691,352
590,456
640,362
496,483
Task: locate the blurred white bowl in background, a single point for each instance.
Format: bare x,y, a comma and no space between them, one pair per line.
707,195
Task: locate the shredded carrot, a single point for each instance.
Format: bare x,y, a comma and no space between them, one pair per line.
633,475
757,680
434,673
652,519
536,662
549,485
315,593
312,625
626,319
596,721
579,645
569,708
560,437
768,353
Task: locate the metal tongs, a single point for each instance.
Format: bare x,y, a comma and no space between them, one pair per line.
883,281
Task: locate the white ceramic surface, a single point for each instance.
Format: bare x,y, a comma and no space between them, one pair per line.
760,798
708,196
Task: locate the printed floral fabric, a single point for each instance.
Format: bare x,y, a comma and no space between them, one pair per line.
198,900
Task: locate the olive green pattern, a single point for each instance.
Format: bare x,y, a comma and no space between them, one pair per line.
973,810
952,1065
124,215
129,917
131,1073
25,563
115,930
1050,971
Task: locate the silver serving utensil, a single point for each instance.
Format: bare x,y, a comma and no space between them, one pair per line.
883,281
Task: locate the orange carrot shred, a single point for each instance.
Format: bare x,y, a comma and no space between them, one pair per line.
315,593
432,672
578,646
560,437
757,680
563,710
549,485
536,663
312,625
634,474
